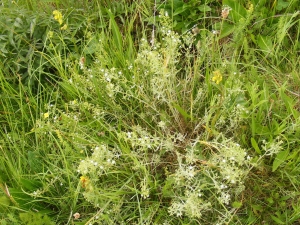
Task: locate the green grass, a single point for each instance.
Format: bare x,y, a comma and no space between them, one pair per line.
198,124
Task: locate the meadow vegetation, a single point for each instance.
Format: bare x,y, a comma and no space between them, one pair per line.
149,112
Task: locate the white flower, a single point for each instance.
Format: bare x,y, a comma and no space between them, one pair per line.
215,32
129,135
81,63
223,186
76,216
162,124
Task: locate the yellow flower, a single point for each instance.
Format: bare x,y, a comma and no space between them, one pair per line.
46,115
64,27
250,9
84,181
50,34
58,16
217,78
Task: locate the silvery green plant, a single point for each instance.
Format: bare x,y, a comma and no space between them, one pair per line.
197,172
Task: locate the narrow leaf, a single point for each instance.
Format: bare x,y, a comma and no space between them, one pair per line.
255,146
117,37
277,220
181,111
280,158
32,26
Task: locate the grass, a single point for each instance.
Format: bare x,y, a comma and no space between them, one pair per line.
104,123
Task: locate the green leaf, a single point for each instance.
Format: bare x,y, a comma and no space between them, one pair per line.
255,146
35,161
12,218
238,11
117,37
265,44
277,220
282,5
35,218
167,190
227,29
30,185
280,158
182,111
180,10
18,22
289,103
237,204
91,47
257,209
32,26
270,200
204,8
4,203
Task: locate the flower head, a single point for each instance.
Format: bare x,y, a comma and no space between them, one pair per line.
58,16
76,216
84,181
217,78
81,63
50,34
46,115
225,11
250,9
64,27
